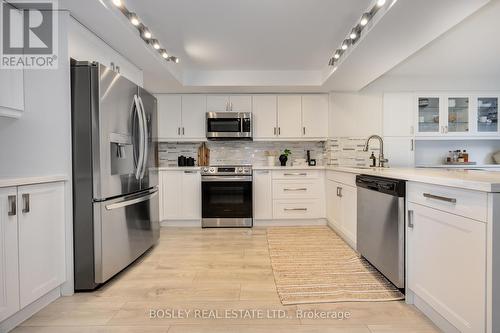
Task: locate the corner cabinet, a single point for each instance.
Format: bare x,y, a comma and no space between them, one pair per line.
457,115
32,251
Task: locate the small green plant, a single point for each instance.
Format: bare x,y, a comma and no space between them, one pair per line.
287,152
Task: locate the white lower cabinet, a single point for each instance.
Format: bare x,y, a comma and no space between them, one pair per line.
180,195
9,273
262,195
297,209
32,251
341,203
446,256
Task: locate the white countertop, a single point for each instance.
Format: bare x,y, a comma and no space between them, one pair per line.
485,181
20,181
195,168
265,167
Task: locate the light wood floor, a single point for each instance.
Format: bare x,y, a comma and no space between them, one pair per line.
214,269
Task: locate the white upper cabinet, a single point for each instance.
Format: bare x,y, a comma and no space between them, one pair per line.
264,116
289,116
398,115
169,117
194,109
41,240
457,114
12,87
315,116
9,273
217,103
181,117
236,103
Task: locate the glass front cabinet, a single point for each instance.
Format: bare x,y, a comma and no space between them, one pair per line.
457,115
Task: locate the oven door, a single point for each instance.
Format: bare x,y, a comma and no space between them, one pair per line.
227,201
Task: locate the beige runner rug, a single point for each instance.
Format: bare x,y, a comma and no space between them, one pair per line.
314,265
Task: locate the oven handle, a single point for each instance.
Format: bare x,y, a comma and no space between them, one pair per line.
226,178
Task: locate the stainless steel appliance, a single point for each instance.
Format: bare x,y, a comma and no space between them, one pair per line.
381,225
115,182
229,125
227,196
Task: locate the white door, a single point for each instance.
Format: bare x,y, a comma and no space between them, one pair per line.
289,116
171,194
217,103
315,116
262,195
264,116
41,240
398,114
190,194
400,151
194,108
240,103
169,116
349,197
9,273
447,265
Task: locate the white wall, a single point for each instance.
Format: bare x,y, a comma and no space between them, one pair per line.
355,114
84,45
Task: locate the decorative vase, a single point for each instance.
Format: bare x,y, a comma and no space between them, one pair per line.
271,160
283,160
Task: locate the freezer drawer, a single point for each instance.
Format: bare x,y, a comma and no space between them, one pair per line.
125,228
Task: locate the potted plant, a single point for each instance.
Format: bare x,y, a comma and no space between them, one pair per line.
284,157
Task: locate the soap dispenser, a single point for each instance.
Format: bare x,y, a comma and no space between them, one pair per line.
374,160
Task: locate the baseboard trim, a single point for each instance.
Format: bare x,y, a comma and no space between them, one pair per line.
181,223
339,232
288,223
28,311
435,317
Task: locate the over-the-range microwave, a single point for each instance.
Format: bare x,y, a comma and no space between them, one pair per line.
229,125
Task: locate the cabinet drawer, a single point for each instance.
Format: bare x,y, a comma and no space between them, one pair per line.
296,209
287,189
342,177
296,174
466,203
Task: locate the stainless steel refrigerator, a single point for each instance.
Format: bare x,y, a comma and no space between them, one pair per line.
115,179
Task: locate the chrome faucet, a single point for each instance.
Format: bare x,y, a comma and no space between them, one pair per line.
381,159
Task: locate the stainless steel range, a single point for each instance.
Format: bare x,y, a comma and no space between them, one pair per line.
227,196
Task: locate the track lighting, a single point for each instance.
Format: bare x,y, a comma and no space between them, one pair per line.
380,3
337,54
164,54
146,33
354,34
345,44
117,3
156,44
133,19
364,19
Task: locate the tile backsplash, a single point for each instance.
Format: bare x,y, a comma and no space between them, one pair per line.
349,151
240,152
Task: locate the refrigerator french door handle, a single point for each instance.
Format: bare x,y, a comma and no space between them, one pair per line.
146,137
140,161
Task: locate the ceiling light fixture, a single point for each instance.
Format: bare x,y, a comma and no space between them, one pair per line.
345,44
118,3
380,3
364,19
334,69
337,54
146,33
354,34
164,54
133,19
155,43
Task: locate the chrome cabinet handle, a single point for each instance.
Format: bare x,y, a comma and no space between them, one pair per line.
410,219
178,131
295,189
279,130
295,174
339,192
183,131
189,171
440,198
12,204
412,145
275,131
26,203
304,130
296,209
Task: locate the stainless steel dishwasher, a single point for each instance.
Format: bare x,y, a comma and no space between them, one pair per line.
381,225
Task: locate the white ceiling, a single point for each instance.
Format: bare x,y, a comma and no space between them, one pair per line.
242,35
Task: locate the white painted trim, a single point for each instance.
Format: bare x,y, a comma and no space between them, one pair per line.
181,223
288,223
435,317
11,182
25,313
342,235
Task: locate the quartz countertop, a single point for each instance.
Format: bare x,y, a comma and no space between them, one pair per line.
195,168
265,167
20,181
478,180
